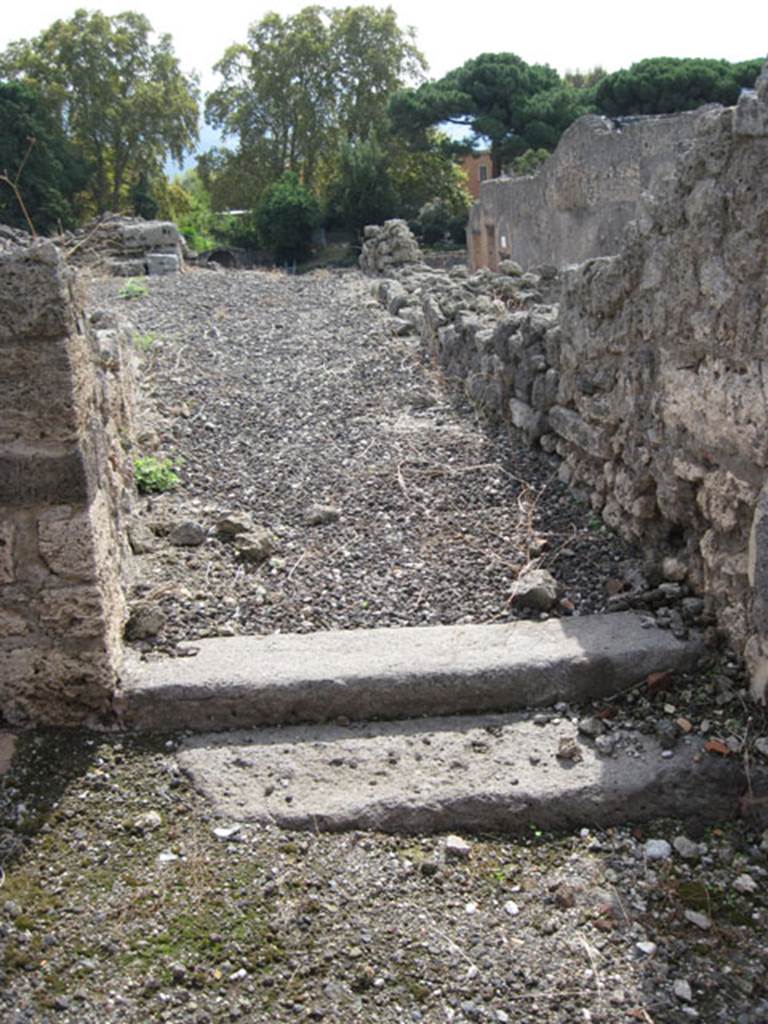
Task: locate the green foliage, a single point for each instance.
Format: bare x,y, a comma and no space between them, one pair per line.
154,476
428,174
144,342
585,79
435,222
142,197
530,161
132,289
286,216
363,191
298,89
497,96
186,202
120,98
663,85
51,171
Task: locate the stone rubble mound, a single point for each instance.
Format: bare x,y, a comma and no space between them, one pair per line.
127,246
118,245
389,245
12,238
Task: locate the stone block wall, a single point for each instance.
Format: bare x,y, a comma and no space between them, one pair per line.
65,482
649,378
582,198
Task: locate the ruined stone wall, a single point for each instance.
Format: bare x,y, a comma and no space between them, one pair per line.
65,425
582,198
664,361
650,379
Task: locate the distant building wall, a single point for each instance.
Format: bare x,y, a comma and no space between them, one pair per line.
478,168
578,204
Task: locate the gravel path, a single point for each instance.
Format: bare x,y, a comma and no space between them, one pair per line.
279,394
123,900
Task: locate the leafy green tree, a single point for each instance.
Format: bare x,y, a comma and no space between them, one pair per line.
303,85
496,96
286,216
363,191
186,202
33,148
530,161
663,85
585,79
121,99
423,176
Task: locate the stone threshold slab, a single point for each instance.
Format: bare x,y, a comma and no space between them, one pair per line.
497,773
239,682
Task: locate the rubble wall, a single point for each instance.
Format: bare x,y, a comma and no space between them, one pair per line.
65,481
649,378
582,198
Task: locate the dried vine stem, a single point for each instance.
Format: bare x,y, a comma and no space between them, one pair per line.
13,183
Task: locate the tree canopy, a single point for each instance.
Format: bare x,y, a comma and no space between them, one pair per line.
497,96
663,85
34,150
120,98
302,85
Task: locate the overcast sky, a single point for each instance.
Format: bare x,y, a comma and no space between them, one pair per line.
567,34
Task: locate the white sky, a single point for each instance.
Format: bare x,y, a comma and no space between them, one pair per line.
567,34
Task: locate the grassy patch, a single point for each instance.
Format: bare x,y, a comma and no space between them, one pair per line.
133,288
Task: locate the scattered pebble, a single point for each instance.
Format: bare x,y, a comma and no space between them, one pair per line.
647,948
700,920
148,822
227,831
657,849
686,848
745,884
457,848
682,990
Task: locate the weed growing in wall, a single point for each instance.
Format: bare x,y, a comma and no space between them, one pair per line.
154,476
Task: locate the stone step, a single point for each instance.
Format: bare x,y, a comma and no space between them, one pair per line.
239,682
498,773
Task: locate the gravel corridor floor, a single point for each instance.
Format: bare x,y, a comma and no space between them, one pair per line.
277,394
123,900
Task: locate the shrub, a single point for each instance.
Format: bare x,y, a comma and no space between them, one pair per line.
286,216
153,476
435,221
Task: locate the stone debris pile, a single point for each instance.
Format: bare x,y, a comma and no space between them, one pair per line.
118,245
389,245
11,238
128,246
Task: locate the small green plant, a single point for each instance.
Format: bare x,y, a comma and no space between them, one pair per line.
144,342
154,476
132,289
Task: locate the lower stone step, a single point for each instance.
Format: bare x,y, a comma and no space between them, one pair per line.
501,773
396,673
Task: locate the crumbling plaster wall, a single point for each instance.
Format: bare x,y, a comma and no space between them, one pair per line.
649,378
65,482
582,198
